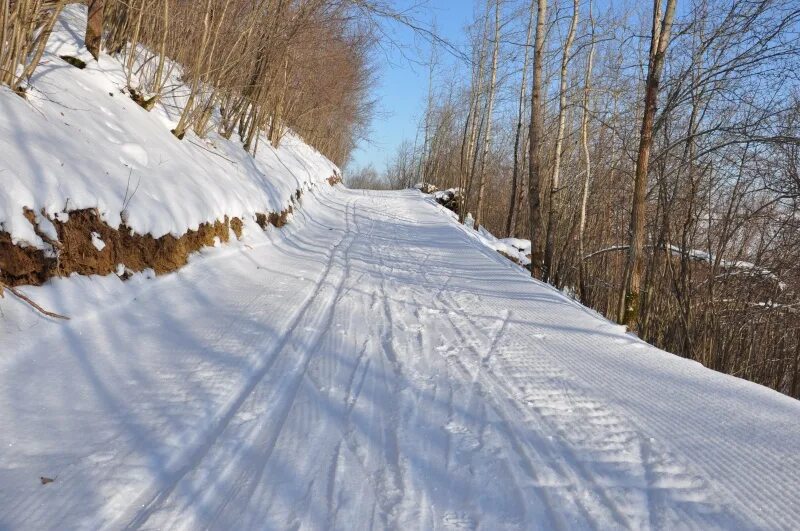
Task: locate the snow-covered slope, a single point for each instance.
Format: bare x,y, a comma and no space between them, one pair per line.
371,365
79,142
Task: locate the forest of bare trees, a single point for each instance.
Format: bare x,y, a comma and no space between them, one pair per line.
260,65
652,156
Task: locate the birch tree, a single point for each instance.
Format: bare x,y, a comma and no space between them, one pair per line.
547,270
587,162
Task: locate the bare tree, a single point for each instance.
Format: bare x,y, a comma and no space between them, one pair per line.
659,40
518,149
555,179
536,140
487,136
472,125
587,172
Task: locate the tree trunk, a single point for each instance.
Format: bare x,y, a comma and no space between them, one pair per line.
547,271
94,27
471,128
39,46
426,148
587,88
158,83
487,137
658,47
536,134
131,58
184,121
512,208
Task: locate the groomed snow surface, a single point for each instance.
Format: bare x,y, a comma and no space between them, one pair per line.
371,365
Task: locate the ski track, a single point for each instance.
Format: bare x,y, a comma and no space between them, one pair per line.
378,368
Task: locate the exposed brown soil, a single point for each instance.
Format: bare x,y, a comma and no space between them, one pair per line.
276,220
508,256
75,252
22,265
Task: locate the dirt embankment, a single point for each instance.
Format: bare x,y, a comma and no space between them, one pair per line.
87,245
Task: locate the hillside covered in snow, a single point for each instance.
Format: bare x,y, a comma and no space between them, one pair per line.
78,144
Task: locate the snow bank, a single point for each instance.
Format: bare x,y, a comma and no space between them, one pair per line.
80,142
516,248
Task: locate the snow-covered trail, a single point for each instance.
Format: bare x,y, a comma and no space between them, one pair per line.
373,366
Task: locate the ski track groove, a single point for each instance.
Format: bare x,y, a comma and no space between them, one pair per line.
573,470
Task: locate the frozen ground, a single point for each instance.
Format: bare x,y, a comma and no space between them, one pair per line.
372,365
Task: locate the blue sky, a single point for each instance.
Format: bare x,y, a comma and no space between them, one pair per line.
402,86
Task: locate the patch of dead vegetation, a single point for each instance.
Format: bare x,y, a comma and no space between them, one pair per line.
275,219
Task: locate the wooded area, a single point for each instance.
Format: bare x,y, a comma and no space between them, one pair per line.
658,175
259,65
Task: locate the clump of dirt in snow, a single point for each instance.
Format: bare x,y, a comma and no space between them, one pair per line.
236,227
74,61
23,265
87,245
275,219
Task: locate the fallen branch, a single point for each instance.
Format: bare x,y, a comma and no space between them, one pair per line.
24,298
212,151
